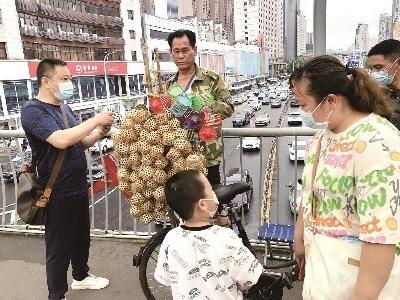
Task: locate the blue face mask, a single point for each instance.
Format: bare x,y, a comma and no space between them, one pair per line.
65,91
309,121
383,77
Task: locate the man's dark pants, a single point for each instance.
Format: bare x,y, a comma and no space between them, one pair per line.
67,240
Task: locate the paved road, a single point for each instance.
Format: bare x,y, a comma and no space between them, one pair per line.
23,275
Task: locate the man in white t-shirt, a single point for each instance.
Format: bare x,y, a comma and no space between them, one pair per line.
199,260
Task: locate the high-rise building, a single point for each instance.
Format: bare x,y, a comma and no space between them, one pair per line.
385,27
265,18
301,33
172,8
220,11
362,37
310,43
290,29
395,10
147,7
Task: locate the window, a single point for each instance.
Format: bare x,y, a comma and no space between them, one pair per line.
134,56
3,51
134,85
142,87
101,91
130,14
113,85
155,34
75,97
132,34
87,87
16,94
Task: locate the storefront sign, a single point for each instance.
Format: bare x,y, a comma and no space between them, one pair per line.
87,68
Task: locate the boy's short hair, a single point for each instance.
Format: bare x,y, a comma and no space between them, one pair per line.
183,191
47,67
390,49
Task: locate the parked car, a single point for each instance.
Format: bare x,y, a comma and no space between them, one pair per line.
241,119
242,200
276,103
255,104
294,118
262,119
105,145
295,202
251,143
301,150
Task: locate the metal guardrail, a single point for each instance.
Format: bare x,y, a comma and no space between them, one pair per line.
8,206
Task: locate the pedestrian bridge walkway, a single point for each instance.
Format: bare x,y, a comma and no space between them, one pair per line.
23,275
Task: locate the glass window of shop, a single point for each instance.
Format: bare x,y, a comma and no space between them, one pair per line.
87,87
134,85
16,94
113,86
75,98
101,90
142,86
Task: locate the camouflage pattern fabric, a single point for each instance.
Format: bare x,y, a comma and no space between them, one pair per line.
207,90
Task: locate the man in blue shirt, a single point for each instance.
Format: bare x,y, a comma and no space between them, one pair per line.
67,225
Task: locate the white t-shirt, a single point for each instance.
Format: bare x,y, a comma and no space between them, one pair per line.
206,263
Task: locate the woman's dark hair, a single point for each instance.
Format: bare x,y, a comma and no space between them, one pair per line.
327,75
183,191
181,33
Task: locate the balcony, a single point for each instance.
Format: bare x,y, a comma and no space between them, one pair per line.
45,10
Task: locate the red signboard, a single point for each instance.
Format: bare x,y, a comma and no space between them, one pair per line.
87,68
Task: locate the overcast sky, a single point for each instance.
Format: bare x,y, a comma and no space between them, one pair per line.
343,16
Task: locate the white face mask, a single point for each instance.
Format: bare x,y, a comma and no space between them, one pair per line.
215,200
65,91
309,121
383,77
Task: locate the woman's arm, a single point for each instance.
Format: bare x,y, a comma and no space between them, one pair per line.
376,263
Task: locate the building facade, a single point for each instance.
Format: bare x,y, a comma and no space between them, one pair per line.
290,29
301,34
385,27
362,37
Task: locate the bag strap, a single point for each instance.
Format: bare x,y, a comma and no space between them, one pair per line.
57,166
314,172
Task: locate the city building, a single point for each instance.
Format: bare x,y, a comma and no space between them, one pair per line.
362,37
310,43
212,32
301,33
172,9
385,27
290,29
147,7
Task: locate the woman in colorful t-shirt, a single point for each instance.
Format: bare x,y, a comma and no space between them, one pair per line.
348,226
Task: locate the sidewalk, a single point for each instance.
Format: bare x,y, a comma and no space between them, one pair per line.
23,276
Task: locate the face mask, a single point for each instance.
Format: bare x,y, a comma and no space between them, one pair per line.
65,91
212,213
383,77
309,121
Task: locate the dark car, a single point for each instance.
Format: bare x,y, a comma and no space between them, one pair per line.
294,103
241,119
242,200
250,111
9,177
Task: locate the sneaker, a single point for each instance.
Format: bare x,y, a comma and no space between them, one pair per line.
90,283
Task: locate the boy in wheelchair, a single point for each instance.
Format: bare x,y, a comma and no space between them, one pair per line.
199,259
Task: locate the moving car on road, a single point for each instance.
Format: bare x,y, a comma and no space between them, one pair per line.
276,103
105,145
251,143
301,150
241,119
263,119
294,118
237,100
255,104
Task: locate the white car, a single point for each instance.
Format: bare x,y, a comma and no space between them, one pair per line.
301,150
294,118
237,100
283,96
295,207
105,145
254,104
251,143
262,119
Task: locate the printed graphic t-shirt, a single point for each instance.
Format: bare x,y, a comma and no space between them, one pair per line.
205,263
357,183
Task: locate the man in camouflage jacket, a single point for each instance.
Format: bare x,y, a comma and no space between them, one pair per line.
205,86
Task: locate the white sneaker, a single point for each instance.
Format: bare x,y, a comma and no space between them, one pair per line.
90,283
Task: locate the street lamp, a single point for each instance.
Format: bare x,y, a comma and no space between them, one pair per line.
105,75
